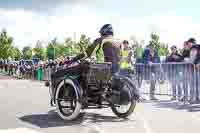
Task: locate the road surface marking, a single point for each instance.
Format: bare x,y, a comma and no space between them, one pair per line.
19,130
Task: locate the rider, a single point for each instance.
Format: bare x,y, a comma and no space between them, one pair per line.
107,49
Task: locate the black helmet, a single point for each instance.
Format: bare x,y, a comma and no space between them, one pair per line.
107,29
192,40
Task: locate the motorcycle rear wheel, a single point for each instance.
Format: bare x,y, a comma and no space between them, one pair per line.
131,105
127,113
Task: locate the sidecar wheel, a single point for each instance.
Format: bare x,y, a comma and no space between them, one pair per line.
67,94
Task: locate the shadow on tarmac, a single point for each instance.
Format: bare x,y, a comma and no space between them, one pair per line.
51,119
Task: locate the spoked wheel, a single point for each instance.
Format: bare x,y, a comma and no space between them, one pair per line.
67,100
123,110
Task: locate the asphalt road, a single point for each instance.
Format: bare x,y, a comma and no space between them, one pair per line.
25,108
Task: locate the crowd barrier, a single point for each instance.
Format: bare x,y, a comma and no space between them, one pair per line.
179,80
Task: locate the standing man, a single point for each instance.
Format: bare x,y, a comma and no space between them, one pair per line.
186,50
126,55
174,72
194,85
1,65
150,56
51,68
186,56
189,55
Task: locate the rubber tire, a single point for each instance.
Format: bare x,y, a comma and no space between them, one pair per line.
126,114
131,108
78,107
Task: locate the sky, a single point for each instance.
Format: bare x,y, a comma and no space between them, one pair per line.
31,20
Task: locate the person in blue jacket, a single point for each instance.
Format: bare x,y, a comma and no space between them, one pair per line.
149,57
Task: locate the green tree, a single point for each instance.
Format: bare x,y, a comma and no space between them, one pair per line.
62,50
54,49
161,48
16,53
27,52
83,43
155,41
5,45
69,44
39,51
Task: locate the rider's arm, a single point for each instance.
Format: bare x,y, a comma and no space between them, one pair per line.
89,50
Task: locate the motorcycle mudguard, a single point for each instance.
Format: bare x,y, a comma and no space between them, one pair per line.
134,90
76,85
134,93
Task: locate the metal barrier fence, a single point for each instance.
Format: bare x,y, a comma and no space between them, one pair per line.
179,80
167,80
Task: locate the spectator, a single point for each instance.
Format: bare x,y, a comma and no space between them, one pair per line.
151,56
40,71
174,74
1,65
191,42
61,63
174,56
186,50
6,65
195,52
67,60
195,58
126,55
51,68
138,52
51,64
189,55
36,66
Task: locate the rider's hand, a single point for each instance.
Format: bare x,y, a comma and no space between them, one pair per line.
98,40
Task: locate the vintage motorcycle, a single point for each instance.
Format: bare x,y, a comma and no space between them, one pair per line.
95,87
